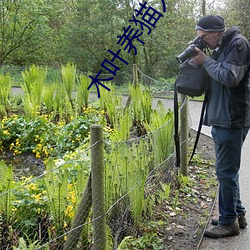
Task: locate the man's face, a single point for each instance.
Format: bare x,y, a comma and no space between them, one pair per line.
211,38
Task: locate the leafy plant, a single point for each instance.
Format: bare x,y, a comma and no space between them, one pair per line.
68,74
22,245
30,208
147,241
141,104
6,184
161,126
33,85
82,93
5,90
110,102
164,192
48,98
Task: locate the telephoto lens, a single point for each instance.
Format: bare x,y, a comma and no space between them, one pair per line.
190,51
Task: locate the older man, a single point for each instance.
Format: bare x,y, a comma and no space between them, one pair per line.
228,112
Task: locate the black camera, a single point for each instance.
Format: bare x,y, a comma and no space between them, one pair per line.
190,51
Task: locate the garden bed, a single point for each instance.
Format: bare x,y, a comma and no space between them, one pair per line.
178,222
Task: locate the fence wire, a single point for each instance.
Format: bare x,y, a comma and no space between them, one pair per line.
44,210
158,87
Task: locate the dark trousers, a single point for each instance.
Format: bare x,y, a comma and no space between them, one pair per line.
228,145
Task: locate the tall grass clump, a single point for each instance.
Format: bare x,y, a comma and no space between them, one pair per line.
68,74
161,130
82,93
111,103
5,90
34,80
141,105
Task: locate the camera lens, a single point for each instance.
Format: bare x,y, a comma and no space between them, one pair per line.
187,53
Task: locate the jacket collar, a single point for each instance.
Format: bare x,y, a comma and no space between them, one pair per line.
231,32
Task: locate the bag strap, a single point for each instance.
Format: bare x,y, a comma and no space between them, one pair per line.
176,126
199,127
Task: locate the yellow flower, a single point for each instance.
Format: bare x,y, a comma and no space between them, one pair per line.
14,209
38,156
103,112
31,187
6,132
69,211
37,196
16,152
45,151
73,199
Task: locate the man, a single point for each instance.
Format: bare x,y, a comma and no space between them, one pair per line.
228,112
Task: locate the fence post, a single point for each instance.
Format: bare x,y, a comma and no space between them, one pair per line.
98,195
135,74
184,135
80,218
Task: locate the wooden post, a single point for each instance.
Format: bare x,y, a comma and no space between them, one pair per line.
80,218
135,74
98,195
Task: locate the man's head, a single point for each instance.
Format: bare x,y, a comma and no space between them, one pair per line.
211,28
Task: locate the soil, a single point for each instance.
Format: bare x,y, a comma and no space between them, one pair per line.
25,164
186,223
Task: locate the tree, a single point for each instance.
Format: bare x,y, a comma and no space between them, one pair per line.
21,21
237,12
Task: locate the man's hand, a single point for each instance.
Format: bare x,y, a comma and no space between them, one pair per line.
200,58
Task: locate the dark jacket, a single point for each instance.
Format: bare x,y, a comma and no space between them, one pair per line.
228,103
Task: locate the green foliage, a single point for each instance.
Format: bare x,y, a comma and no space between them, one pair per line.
126,172
48,98
6,184
29,245
141,104
164,192
68,73
5,90
33,85
55,196
123,124
111,103
147,241
43,137
44,32
23,25
30,206
161,126
82,98
56,183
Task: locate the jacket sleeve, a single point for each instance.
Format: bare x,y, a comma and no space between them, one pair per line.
234,66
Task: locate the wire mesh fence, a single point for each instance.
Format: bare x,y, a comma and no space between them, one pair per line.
56,209
42,210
